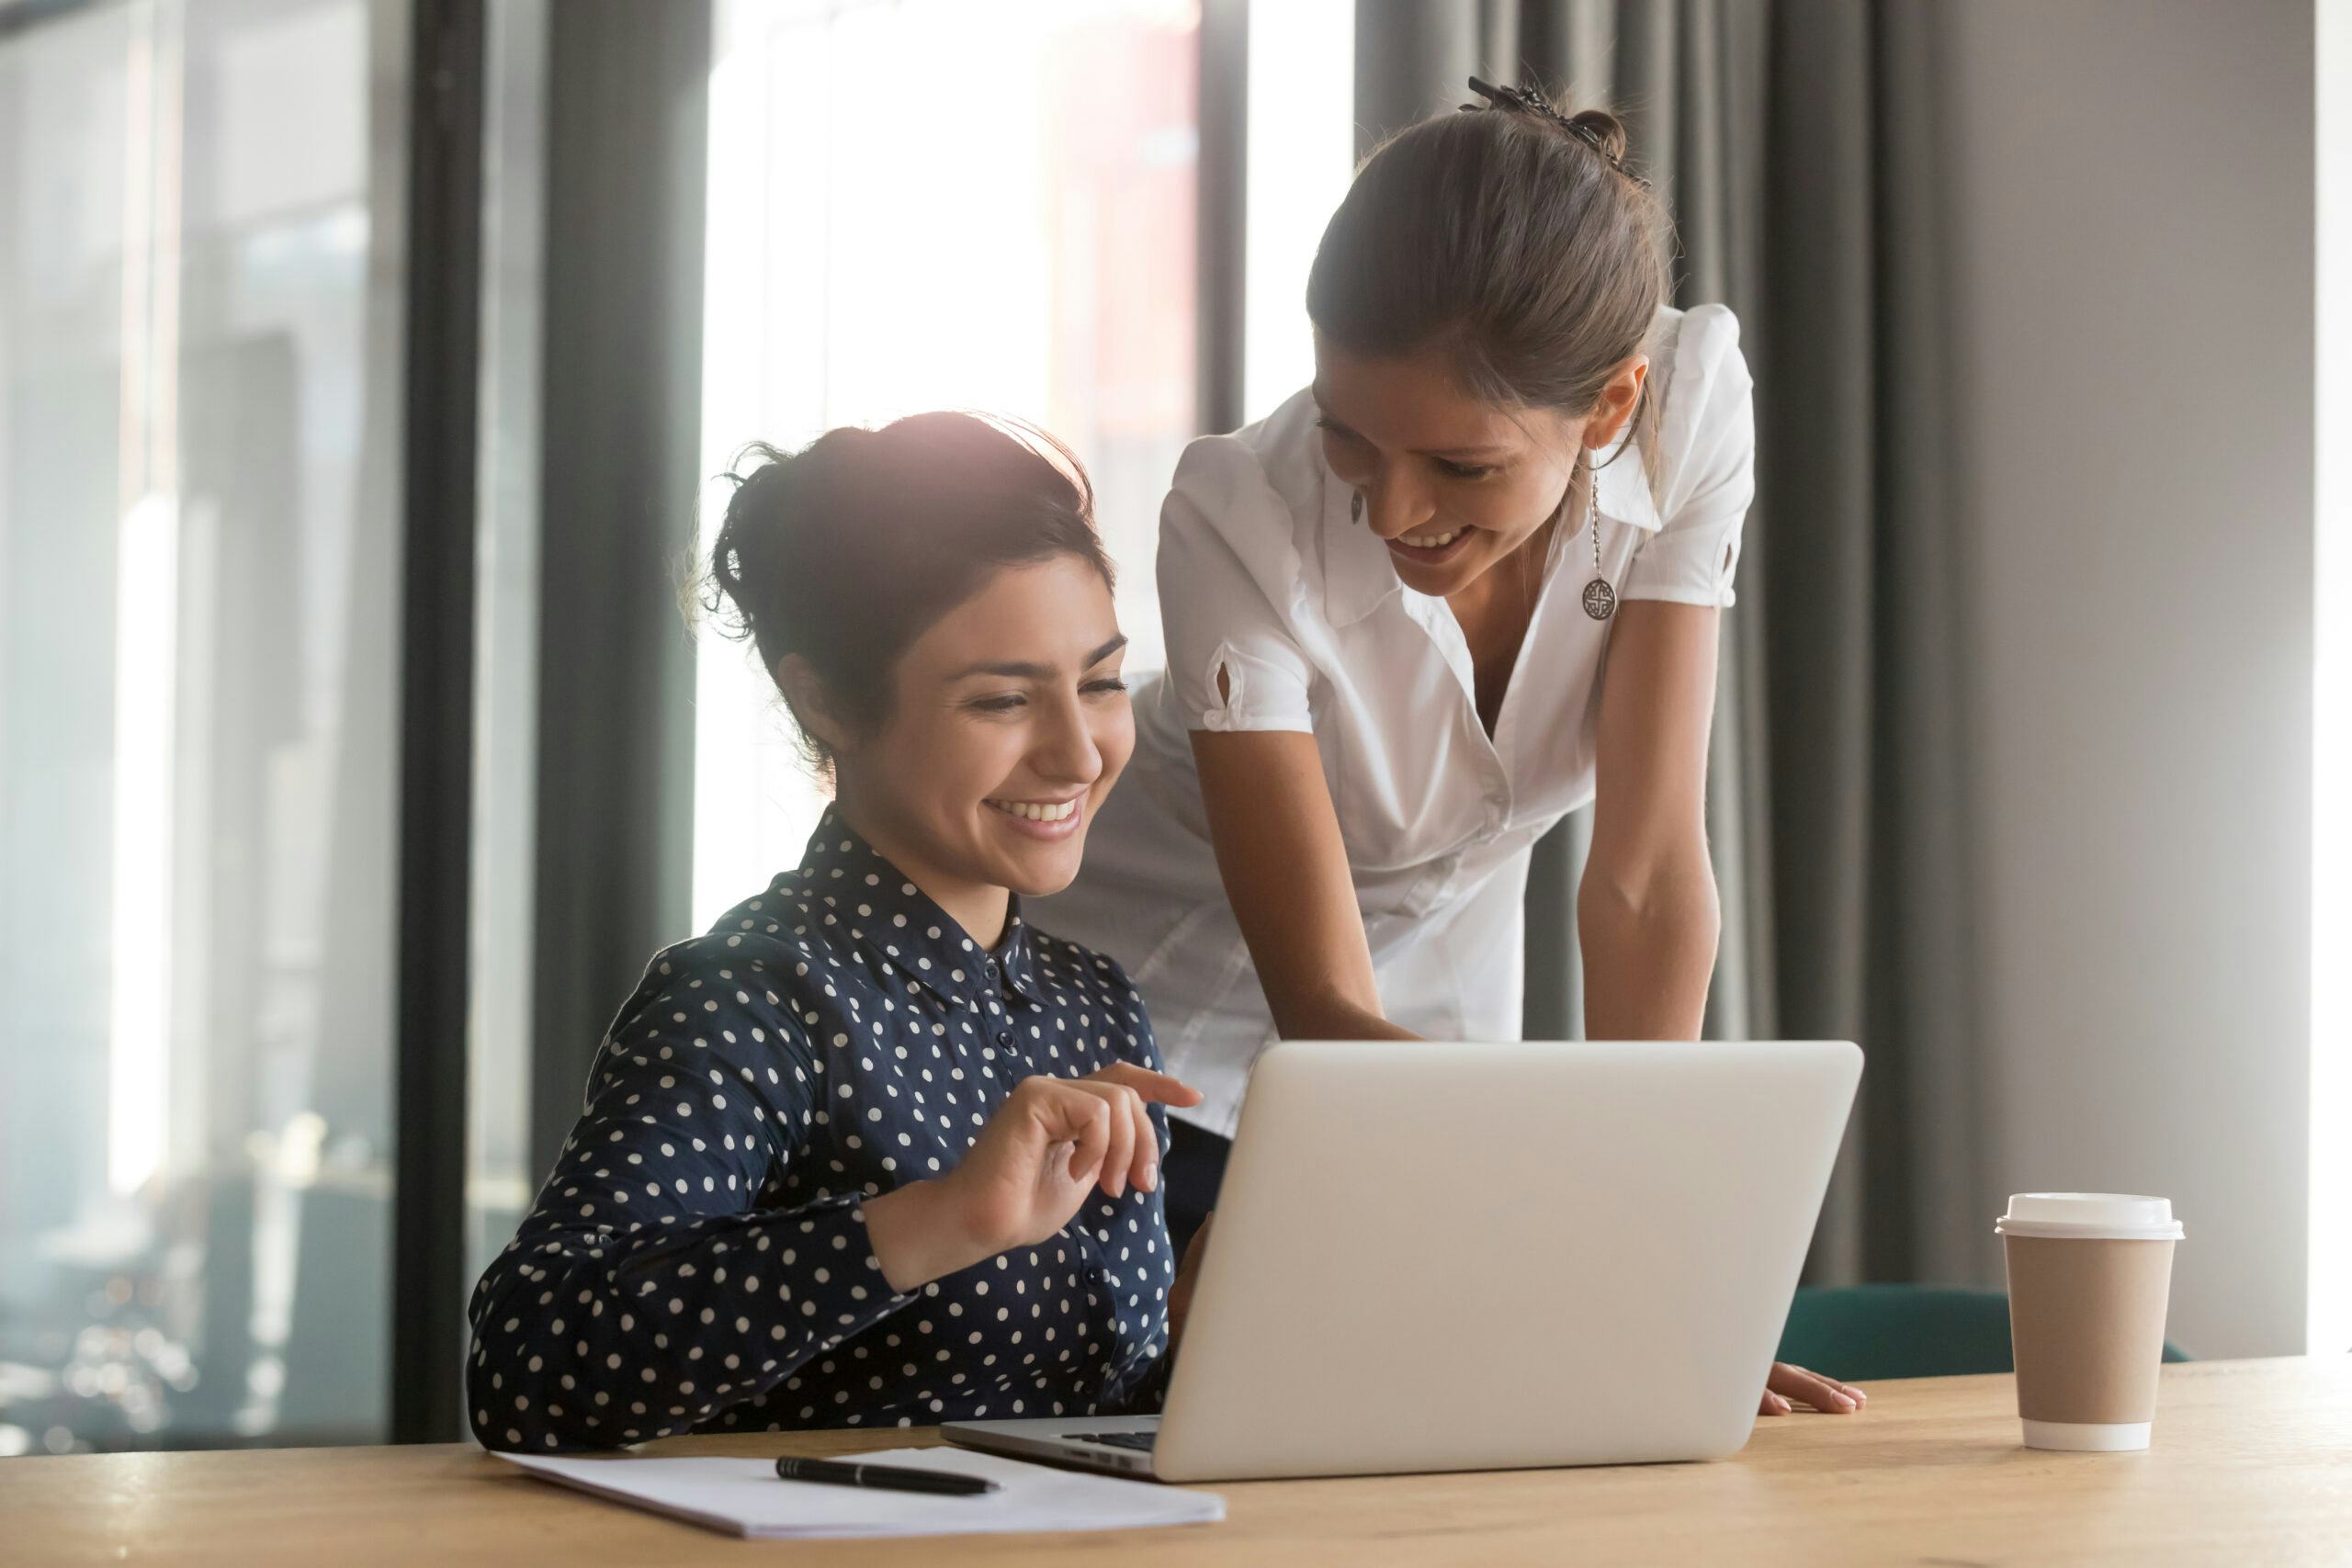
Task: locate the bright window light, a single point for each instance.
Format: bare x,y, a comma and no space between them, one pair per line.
1302,154
140,1004
980,204
146,608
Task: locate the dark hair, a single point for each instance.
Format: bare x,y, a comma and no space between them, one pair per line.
1509,235
845,552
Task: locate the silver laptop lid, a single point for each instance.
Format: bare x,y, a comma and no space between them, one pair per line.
1452,1257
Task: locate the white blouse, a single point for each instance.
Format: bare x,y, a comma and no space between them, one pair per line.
1263,575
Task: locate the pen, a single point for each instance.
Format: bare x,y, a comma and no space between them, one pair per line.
882,1477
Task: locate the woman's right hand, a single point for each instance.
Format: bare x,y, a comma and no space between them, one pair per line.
1051,1143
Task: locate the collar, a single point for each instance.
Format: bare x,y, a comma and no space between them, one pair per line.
1625,480
904,929
1358,576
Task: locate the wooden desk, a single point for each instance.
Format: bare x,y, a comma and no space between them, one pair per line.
2252,1463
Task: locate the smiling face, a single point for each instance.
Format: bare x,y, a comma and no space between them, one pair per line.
1007,725
1450,482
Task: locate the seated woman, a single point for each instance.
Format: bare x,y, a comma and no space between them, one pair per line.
874,1151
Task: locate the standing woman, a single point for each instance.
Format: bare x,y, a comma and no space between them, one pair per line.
1467,582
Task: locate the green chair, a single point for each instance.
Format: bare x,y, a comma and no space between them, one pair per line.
1857,1333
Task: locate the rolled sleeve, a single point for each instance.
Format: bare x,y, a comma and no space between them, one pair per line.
1226,561
1707,437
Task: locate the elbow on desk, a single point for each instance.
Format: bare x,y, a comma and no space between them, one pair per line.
511,1409
524,1413
516,1401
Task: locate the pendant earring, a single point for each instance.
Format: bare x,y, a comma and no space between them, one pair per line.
1599,599
1355,507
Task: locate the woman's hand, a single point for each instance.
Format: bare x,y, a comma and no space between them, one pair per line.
1051,1143
1788,1383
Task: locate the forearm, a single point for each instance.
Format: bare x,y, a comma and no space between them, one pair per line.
920,1234
1330,1014
1648,942
1285,870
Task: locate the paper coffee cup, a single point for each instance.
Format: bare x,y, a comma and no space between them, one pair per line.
2090,1275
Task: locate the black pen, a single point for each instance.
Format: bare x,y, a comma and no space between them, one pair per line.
883,1477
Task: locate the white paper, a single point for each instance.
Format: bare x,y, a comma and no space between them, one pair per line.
744,1497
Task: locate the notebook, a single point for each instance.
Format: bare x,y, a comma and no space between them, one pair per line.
743,1496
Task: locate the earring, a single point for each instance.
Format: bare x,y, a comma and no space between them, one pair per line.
1355,507
1599,599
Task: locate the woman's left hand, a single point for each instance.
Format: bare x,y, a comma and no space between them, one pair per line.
1789,1386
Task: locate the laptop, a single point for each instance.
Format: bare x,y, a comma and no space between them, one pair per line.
1433,1256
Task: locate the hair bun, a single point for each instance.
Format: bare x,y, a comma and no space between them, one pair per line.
1604,130
1597,129
843,552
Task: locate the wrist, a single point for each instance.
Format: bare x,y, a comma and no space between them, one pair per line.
920,1232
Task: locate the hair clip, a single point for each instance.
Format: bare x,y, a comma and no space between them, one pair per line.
1533,102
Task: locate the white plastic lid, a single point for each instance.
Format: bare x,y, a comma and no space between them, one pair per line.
2098,1216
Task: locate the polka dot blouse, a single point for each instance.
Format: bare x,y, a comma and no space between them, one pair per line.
699,1259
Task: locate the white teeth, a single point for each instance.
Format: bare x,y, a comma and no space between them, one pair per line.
1432,541
1031,811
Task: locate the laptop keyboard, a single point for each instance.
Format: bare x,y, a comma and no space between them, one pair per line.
1140,1441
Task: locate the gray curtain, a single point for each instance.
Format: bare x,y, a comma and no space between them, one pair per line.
621,378
1796,141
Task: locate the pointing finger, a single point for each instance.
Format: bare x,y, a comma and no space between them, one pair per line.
1157,1087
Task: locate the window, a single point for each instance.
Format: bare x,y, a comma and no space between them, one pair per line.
983,204
499,1180
198,401
1301,157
